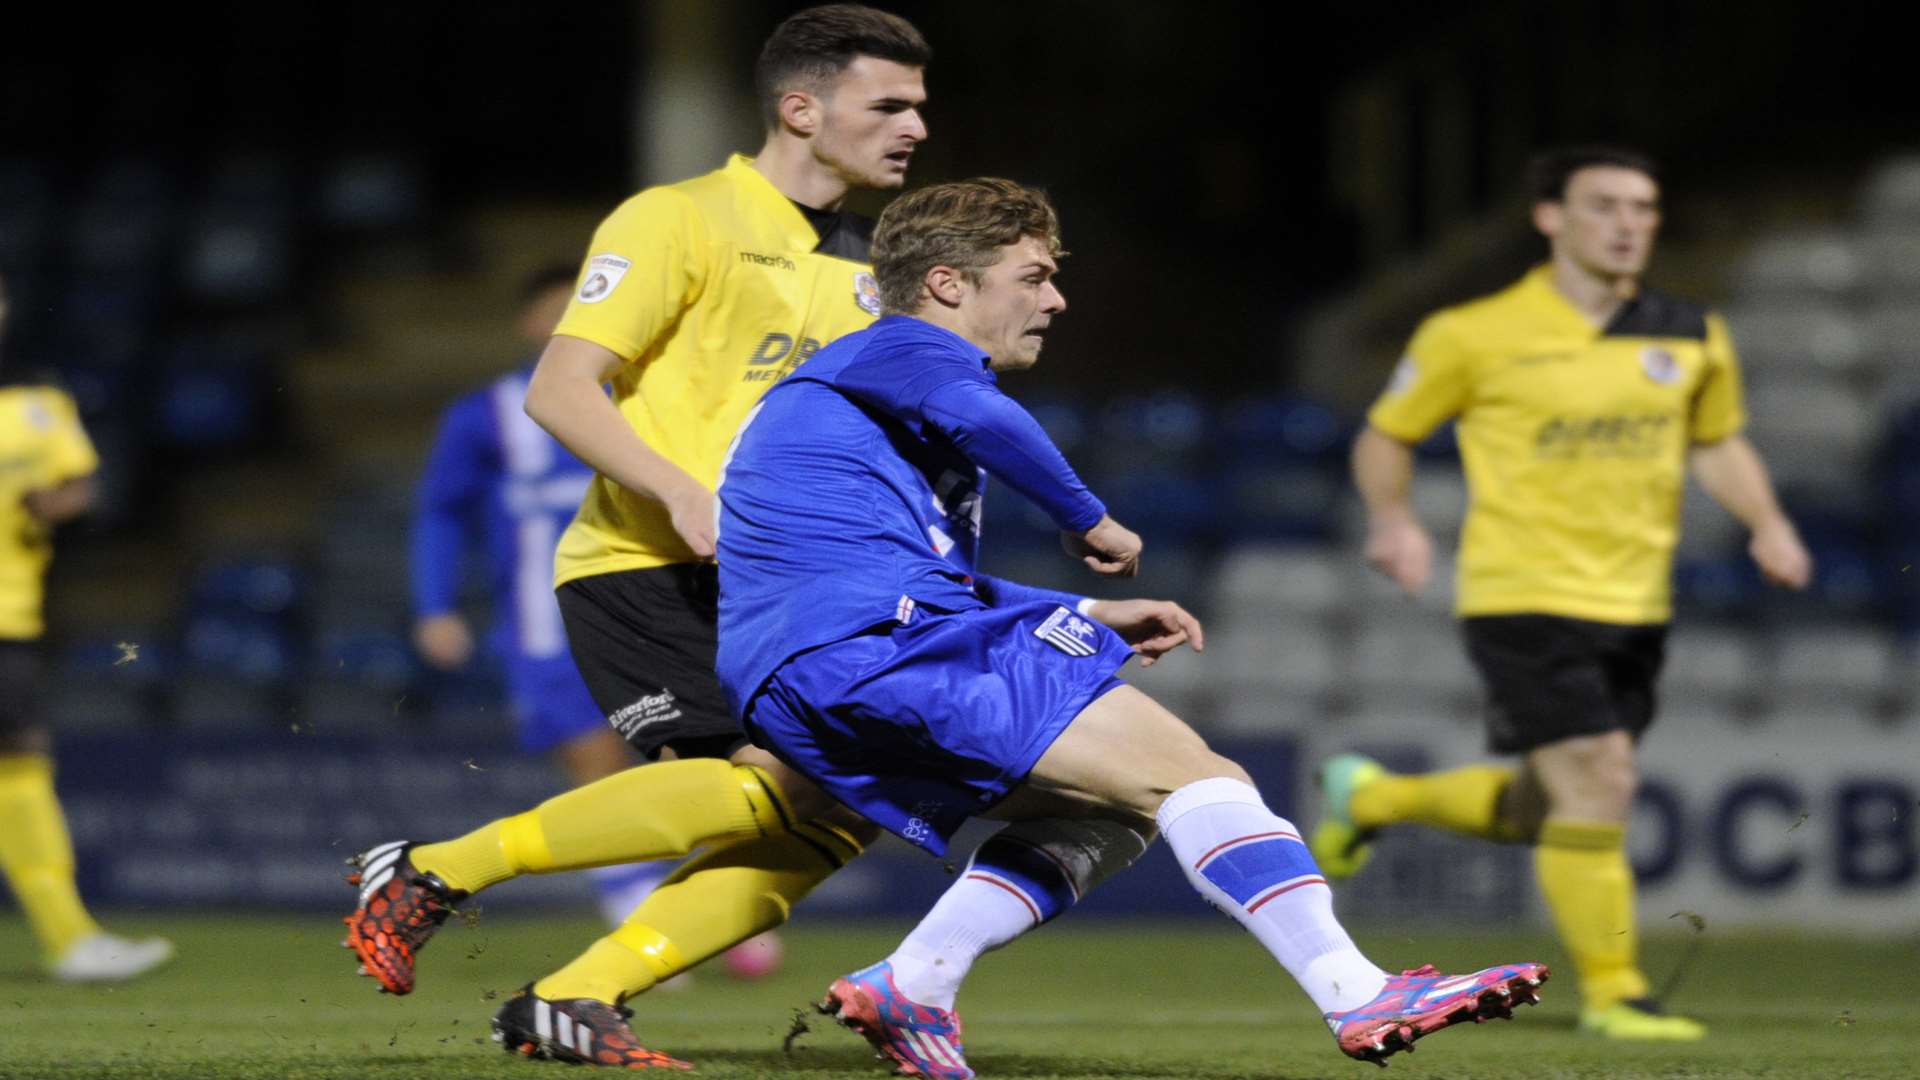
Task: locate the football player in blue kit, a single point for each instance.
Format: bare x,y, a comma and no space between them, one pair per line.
859,645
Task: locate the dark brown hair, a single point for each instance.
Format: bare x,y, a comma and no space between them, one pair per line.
814,46
1549,172
962,225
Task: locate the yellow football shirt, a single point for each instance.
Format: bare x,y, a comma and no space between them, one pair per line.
711,291
1574,438
42,445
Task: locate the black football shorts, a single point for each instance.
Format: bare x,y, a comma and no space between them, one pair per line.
644,641
22,687
1550,678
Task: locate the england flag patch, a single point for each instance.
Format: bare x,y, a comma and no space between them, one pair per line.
1069,633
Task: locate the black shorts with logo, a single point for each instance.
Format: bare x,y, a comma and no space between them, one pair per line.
1549,677
22,687
644,641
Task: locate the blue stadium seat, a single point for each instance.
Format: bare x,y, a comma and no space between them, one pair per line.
372,657
235,259
246,650
262,587
1275,429
212,394
1715,588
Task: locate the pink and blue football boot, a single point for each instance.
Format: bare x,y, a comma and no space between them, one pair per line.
1422,1001
920,1039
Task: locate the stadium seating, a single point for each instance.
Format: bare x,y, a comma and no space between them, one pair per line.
155,289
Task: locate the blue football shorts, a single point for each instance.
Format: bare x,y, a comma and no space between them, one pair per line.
550,702
921,726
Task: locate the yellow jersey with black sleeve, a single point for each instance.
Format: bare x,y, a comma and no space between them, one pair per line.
1574,439
712,290
42,445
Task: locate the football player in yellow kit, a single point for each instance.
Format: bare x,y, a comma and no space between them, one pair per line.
1583,400
694,298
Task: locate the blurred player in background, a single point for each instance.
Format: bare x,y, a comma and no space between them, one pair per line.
496,481
922,692
1583,398
46,478
694,299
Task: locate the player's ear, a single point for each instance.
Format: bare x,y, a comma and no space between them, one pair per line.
1548,217
800,112
945,285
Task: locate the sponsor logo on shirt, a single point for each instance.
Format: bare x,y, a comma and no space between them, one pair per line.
1659,365
1628,436
777,262
603,276
1405,374
778,349
866,292
1069,633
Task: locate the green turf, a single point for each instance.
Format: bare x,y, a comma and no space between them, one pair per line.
273,997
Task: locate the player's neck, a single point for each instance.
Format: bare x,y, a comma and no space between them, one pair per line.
947,318
1596,296
790,166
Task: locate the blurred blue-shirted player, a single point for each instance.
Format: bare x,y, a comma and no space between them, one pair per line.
495,480
858,644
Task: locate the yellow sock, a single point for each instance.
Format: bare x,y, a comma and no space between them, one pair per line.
658,811
37,854
712,903
1463,800
1588,885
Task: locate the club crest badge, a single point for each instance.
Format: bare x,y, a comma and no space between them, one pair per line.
1069,633
866,292
603,275
1659,365
1405,374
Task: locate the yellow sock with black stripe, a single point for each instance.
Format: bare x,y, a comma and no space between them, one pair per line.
1588,885
37,854
1465,800
712,903
658,811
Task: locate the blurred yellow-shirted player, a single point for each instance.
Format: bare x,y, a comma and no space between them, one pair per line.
1582,400
46,466
693,299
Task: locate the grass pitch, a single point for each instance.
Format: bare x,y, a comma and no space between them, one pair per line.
256,996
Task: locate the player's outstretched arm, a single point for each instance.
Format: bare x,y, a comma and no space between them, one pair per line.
1397,545
1732,472
462,465
1109,549
565,397
1153,627
62,502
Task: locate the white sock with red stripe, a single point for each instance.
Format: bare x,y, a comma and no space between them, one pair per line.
1252,864
1022,876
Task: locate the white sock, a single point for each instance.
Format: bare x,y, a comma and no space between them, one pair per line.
622,887
1024,875
973,916
1252,864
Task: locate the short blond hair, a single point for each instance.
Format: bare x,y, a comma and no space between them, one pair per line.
962,225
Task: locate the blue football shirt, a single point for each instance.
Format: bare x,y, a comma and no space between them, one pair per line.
851,497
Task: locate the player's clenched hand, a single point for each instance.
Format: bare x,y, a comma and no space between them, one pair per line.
692,510
1153,627
1109,549
1400,549
1782,558
444,641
